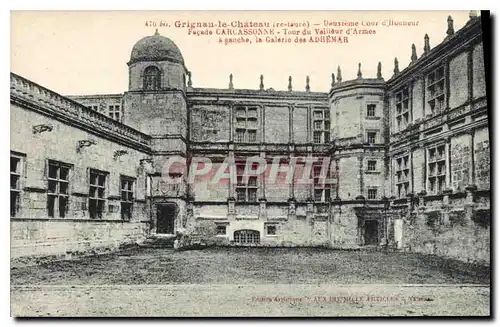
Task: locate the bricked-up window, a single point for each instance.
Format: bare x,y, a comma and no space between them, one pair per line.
436,90
247,236
58,189
371,137
372,165
321,126
436,165
152,78
372,193
370,110
221,229
16,173
245,192
402,114
321,187
271,229
127,197
402,176
114,111
97,193
246,124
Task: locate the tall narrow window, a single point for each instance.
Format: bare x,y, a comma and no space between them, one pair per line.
321,126
152,78
436,90
246,191
127,197
321,187
246,124
436,165
97,193
58,189
16,173
402,176
402,114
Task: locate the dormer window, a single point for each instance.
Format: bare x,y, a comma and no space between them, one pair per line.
152,78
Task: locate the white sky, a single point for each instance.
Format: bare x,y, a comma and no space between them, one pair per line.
86,52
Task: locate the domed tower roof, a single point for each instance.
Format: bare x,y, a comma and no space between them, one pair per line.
156,48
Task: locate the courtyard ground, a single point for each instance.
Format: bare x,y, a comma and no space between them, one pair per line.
251,282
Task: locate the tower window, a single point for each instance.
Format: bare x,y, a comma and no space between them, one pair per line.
372,193
372,165
370,110
152,78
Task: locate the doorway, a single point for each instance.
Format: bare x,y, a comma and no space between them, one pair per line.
165,218
371,232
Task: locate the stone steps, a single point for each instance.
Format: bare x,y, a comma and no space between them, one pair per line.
159,242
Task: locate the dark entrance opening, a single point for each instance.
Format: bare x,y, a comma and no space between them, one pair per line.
371,232
165,218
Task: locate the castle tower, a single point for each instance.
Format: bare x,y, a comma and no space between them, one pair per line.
155,104
358,129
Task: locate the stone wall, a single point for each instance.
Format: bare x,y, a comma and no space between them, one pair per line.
469,243
62,238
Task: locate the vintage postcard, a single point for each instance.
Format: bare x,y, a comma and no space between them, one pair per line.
250,163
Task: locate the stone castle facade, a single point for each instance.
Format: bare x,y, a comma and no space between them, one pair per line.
413,150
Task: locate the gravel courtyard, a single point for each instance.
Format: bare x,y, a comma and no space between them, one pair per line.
251,282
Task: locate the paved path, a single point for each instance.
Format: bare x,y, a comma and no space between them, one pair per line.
251,282
287,300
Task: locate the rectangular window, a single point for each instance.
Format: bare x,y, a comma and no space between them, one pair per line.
97,193
246,191
402,110
246,124
436,167
252,136
58,189
372,193
320,184
114,112
436,90
127,197
371,137
271,229
402,176
317,137
221,229
16,173
370,110
321,126
372,165
240,135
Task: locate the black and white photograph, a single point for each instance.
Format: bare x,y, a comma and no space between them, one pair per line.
250,164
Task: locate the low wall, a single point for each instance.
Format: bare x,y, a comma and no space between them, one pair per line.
31,238
469,243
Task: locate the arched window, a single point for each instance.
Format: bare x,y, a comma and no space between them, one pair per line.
152,78
247,236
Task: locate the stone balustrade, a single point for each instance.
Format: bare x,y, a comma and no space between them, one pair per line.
52,102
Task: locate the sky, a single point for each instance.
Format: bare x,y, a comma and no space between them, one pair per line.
86,52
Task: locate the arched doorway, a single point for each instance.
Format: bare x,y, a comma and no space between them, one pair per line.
247,236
